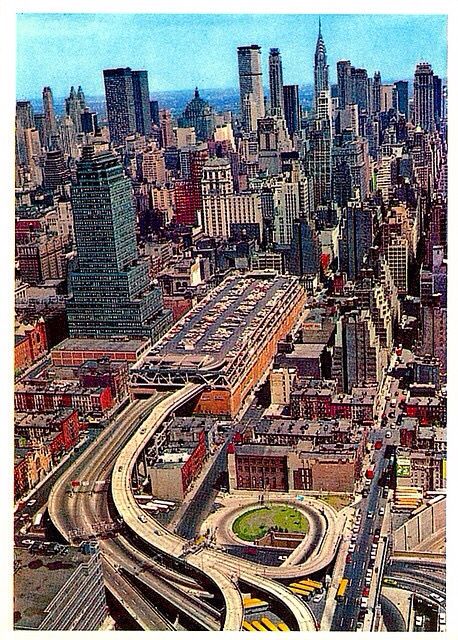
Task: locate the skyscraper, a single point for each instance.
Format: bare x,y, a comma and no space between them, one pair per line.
376,92
402,97
304,254
141,102
111,291
423,96
74,107
50,118
276,83
291,107
344,82
119,96
321,68
360,88
250,80
355,240
437,99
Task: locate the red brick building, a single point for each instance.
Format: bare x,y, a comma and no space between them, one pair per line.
50,397
60,430
30,343
104,373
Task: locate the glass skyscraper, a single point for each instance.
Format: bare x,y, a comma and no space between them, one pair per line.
111,292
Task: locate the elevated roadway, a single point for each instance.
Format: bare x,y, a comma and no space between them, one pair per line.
82,510
216,565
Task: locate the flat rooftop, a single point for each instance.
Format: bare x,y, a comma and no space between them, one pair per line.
220,326
93,344
37,580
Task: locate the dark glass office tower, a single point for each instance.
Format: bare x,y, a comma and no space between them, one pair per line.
141,102
112,295
291,106
304,252
119,96
276,83
402,95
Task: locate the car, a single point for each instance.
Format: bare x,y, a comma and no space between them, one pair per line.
364,602
318,597
367,482
31,503
388,434
385,492
359,625
418,621
352,547
381,511
143,518
365,592
27,542
370,515
437,597
348,558
442,617
365,493
392,414
354,537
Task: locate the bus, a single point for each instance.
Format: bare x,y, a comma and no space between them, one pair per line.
142,497
343,584
247,626
255,605
306,595
301,585
159,506
258,626
167,503
150,507
301,592
318,586
283,627
269,624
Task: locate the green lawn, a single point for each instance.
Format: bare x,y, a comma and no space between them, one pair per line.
255,523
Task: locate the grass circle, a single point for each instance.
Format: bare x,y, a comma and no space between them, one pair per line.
254,524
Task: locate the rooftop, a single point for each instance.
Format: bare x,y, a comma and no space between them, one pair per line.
37,580
222,325
93,344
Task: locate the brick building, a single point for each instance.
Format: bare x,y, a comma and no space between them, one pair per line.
77,351
47,397
106,373
30,343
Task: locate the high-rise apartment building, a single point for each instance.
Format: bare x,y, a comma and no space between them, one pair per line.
111,291
141,102
276,83
291,107
423,96
321,67
251,90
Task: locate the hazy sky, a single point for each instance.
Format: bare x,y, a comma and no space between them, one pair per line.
180,51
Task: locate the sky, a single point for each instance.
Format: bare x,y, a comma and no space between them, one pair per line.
180,51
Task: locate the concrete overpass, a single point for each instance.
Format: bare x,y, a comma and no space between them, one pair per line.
219,567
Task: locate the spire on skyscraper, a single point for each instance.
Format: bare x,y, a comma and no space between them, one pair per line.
321,69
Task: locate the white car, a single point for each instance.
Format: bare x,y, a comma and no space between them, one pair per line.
437,597
388,434
143,518
27,542
418,621
352,547
31,503
364,602
442,617
318,597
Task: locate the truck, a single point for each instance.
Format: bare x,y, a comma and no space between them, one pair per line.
370,473
378,444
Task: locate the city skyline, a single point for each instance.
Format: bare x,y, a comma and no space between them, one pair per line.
374,41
